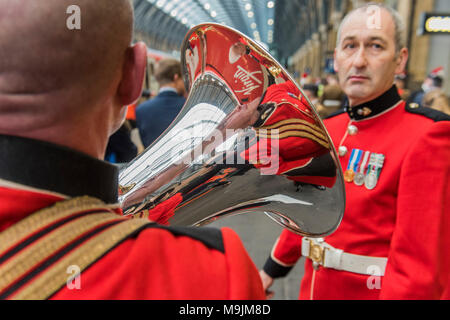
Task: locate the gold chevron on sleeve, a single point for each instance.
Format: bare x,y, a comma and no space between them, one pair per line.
294,128
281,123
299,134
55,277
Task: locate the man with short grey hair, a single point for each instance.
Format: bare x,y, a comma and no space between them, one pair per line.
395,158
373,10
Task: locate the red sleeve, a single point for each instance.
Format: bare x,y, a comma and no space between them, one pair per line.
418,262
285,254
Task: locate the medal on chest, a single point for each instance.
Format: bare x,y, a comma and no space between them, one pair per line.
374,170
360,175
355,157
361,161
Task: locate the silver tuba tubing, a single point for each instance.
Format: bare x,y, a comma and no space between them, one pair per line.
246,140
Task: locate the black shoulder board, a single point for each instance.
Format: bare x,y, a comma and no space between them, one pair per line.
210,237
432,114
334,114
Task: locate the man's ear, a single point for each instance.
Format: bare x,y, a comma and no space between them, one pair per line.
402,59
133,74
335,67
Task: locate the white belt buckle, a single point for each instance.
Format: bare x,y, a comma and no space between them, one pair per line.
323,254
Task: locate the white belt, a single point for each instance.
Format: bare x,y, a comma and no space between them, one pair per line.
321,253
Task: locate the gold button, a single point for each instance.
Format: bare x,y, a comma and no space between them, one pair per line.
414,105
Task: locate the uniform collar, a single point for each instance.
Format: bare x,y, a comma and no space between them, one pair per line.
48,167
168,89
373,108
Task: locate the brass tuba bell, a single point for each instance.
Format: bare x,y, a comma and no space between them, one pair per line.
246,140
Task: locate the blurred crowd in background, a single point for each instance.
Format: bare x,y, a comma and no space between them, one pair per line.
165,95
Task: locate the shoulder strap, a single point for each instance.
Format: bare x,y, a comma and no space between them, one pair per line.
36,253
432,114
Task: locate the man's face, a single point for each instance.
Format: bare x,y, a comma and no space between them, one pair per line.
366,59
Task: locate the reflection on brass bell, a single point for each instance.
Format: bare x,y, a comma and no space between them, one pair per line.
216,145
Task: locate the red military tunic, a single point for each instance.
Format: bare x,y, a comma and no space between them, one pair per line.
155,263
404,218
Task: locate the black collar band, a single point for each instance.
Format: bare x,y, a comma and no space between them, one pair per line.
372,108
57,169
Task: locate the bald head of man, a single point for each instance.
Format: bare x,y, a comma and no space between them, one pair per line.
68,86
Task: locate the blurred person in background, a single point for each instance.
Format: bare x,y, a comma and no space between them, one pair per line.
433,81
400,83
312,92
437,100
331,101
156,114
121,148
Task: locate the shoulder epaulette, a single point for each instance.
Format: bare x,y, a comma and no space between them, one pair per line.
432,114
334,114
36,252
210,237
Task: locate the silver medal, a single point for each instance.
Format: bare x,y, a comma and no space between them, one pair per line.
371,181
359,179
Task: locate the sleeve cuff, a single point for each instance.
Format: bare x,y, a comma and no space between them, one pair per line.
274,269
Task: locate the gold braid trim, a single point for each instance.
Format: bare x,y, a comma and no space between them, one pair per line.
44,217
28,258
53,278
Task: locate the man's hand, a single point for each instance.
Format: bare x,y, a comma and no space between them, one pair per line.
267,282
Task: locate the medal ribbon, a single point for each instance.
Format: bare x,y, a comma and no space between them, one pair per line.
358,160
364,162
376,164
372,163
379,164
352,156
354,159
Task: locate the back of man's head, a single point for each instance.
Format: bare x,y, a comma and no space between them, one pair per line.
166,70
50,72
